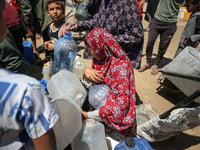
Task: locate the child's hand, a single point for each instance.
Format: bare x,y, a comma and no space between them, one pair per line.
46,44
70,28
93,75
51,47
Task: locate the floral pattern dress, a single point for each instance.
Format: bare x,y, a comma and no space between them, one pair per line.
121,19
119,111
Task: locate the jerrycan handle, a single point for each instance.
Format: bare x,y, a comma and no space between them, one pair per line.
69,36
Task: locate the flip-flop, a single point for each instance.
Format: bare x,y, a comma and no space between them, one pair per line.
154,71
144,67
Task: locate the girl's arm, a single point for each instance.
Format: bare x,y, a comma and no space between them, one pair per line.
92,75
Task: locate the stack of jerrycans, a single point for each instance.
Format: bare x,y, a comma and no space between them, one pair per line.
68,95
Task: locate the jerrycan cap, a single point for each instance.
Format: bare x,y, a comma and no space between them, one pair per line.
45,64
78,63
130,142
68,36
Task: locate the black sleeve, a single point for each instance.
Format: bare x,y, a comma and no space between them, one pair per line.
90,4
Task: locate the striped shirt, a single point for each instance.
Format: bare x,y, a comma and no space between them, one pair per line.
25,110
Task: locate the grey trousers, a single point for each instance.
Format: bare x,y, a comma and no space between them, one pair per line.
166,31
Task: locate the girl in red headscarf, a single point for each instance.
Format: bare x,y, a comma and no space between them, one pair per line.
112,67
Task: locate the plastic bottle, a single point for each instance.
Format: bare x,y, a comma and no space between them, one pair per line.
64,54
28,51
78,68
133,144
65,83
45,71
90,137
98,95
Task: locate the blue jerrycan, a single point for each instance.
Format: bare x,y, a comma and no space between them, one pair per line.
133,144
64,54
28,52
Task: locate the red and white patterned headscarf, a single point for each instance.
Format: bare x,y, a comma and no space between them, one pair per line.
119,111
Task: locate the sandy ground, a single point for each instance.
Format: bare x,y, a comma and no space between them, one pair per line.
147,91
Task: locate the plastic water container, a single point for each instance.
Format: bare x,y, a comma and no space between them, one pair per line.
81,13
28,52
186,66
182,11
64,54
186,15
186,62
45,71
133,144
90,137
98,95
78,68
69,122
65,83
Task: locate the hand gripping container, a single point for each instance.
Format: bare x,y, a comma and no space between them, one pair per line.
90,137
64,54
133,144
65,83
98,95
69,122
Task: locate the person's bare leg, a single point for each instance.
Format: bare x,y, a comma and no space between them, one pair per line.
33,39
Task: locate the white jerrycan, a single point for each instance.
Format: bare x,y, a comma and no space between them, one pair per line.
78,68
65,83
69,122
90,137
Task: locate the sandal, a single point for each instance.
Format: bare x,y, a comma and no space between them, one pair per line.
144,67
154,71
